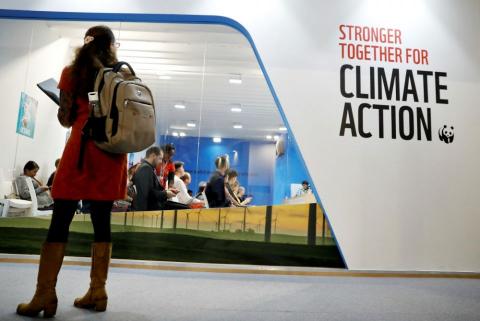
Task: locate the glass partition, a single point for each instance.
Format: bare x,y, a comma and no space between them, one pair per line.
211,100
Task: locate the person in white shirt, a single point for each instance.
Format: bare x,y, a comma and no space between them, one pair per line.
305,189
201,190
179,184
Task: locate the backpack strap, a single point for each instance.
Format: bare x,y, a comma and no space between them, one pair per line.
87,130
120,64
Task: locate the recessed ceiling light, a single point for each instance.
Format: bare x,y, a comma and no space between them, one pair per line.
276,137
283,129
217,140
191,124
268,137
235,79
182,134
180,106
175,134
236,110
164,77
237,126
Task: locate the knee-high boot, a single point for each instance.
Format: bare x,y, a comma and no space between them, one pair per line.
45,297
96,297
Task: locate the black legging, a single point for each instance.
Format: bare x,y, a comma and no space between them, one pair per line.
63,212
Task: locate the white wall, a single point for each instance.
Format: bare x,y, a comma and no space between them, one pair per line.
30,53
393,204
261,160
13,68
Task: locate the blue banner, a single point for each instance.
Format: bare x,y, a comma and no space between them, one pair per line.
27,114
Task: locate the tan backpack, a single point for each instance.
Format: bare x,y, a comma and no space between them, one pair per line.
122,120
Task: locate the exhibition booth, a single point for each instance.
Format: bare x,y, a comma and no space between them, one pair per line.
352,126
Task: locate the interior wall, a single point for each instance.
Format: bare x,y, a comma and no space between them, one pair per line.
13,69
393,205
254,162
260,173
29,53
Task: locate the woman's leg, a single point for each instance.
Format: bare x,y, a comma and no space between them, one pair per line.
96,296
63,212
51,258
100,214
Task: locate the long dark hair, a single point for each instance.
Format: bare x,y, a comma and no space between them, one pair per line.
93,55
30,165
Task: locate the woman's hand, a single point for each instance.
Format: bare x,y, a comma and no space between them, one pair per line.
172,192
247,200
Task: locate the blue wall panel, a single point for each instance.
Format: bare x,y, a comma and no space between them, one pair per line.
266,177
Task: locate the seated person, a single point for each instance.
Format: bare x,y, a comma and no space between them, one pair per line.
305,189
242,197
201,191
30,169
131,192
230,182
150,195
181,180
52,176
215,189
192,201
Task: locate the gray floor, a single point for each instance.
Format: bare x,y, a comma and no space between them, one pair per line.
163,295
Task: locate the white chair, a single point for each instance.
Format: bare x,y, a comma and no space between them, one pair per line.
12,206
33,196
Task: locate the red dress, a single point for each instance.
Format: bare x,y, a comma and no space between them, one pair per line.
103,176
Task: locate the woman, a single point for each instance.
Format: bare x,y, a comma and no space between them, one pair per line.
101,180
230,183
231,190
43,196
215,189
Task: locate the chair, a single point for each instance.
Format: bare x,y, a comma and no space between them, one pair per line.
33,196
11,206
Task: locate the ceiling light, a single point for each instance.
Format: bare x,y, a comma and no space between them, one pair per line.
283,129
217,140
182,134
276,137
235,79
191,124
180,106
164,77
268,137
236,109
175,134
237,126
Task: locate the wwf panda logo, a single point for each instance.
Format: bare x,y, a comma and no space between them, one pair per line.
445,134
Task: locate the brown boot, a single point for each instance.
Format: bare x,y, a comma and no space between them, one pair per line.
96,296
45,297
